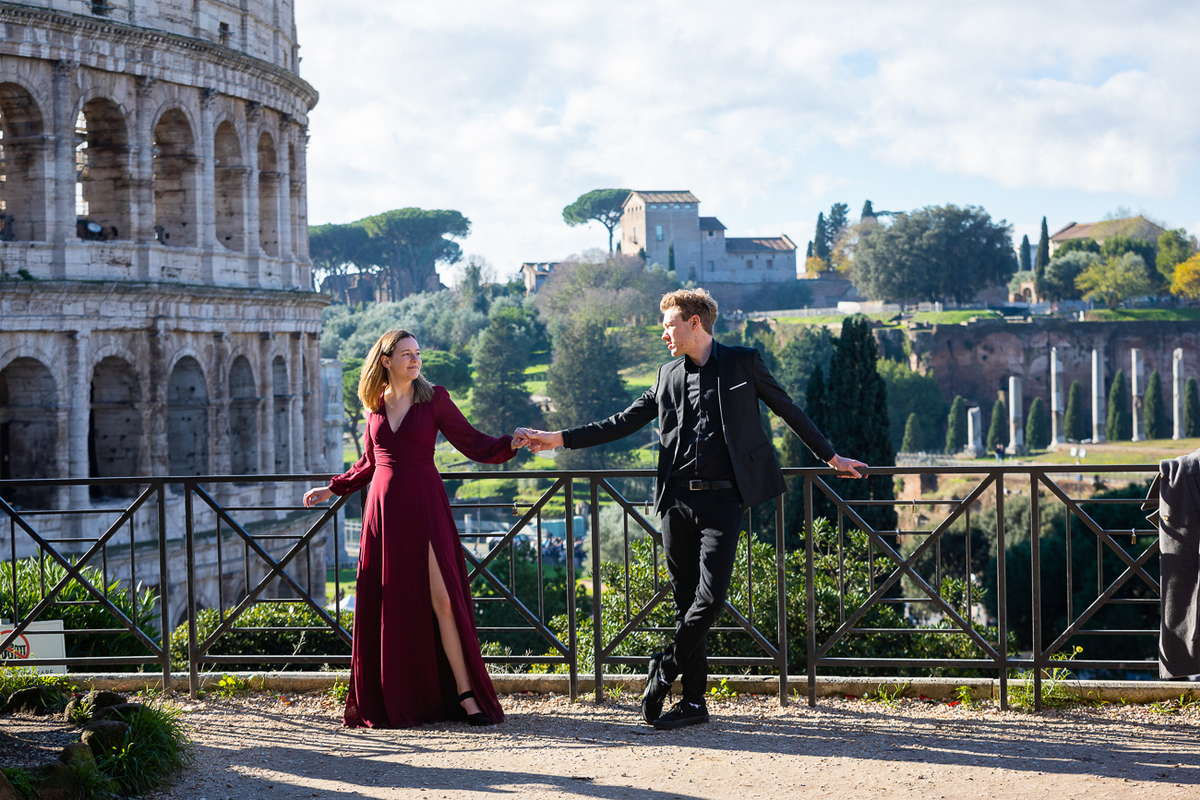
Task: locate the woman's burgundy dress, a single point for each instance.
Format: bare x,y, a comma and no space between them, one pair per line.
399,675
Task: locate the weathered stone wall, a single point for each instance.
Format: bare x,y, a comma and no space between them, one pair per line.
976,360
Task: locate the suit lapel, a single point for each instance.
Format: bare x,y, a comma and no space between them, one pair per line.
725,376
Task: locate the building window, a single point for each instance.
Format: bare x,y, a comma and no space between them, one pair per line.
749,263
658,233
770,263
711,265
101,8
710,233
223,32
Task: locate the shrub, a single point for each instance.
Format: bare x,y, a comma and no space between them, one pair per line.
264,642
154,750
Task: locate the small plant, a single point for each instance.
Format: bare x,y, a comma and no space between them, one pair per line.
1055,693
230,686
155,748
616,692
888,694
963,696
14,679
723,691
338,691
1185,702
81,713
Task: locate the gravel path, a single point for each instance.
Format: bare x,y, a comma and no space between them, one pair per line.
265,747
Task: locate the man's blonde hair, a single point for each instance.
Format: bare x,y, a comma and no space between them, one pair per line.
692,302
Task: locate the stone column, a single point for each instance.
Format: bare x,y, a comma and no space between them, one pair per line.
296,452
267,406
975,431
1099,399
1016,422
1137,383
220,455
79,391
60,229
206,233
156,452
142,190
253,234
283,202
1056,399
314,398
1177,393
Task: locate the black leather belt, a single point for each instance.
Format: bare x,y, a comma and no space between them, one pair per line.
701,486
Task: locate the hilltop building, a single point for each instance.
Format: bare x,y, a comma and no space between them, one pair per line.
1131,227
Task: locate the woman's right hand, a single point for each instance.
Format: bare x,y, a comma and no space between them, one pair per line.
317,494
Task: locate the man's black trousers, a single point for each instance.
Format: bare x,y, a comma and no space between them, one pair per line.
700,535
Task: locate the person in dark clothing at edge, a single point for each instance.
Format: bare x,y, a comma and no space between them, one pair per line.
714,460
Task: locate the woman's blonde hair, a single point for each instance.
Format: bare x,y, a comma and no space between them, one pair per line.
374,377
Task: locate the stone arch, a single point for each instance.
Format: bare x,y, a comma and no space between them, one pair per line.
282,410
22,166
175,168
115,425
243,418
102,174
28,429
187,418
268,195
229,187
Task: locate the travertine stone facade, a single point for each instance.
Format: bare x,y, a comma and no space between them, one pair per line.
157,313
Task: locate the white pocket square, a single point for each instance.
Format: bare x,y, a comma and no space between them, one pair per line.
740,385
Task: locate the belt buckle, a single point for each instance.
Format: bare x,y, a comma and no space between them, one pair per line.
696,486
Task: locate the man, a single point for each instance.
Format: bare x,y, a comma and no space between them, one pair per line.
714,460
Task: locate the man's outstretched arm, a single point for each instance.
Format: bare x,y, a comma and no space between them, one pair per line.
778,400
640,411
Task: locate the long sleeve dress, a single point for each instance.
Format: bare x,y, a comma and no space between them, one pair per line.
399,675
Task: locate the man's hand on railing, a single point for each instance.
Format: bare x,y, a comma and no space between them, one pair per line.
847,467
537,440
317,494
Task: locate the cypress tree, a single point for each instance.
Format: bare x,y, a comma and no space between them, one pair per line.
584,382
1037,426
956,425
809,252
1025,256
821,239
1118,425
998,427
1152,406
498,396
1043,251
868,212
1191,409
1075,426
911,443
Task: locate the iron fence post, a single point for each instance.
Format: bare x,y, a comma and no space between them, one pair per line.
1035,525
781,599
810,593
597,667
1001,593
572,643
164,582
189,530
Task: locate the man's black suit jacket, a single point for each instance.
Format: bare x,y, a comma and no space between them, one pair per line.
742,379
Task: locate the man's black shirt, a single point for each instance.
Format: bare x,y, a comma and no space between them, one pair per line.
703,453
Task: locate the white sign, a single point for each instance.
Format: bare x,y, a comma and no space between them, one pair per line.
42,639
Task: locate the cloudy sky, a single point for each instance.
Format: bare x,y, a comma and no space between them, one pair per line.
767,111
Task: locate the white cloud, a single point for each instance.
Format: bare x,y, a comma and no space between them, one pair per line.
508,110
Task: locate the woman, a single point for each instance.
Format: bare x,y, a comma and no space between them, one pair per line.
416,653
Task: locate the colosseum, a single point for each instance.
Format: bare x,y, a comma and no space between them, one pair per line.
157,312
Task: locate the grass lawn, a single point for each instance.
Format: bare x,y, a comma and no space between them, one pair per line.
953,317
347,578
640,377
1144,315
1147,452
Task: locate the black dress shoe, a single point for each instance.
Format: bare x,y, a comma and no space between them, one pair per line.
477,719
656,691
682,714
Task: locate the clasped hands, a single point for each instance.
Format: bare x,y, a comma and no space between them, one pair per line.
535,440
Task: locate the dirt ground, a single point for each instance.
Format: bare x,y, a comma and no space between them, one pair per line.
265,747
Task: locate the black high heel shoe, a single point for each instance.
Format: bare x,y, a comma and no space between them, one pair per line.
478,718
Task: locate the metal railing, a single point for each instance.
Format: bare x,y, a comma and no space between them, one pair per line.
878,558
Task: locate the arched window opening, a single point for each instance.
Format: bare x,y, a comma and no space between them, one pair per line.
28,430
283,417
229,188
22,194
115,426
268,196
174,180
102,177
243,418
187,418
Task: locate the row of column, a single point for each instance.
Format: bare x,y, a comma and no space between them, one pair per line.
1138,380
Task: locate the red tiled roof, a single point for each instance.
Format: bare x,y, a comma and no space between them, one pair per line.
758,244
668,196
1134,227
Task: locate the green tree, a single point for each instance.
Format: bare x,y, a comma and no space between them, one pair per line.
803,355
1118,425
956,425
351,406
909,392
821,238
1037,426
1075,424
1024,257
1157,424
334,250
998,427
935,253
914,434
868,213
451,370
585,385
1116,246
499,401
1043,251
1174,247
405,246
1058,280
599,205
1191,409
836,224
610,290
1114,280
